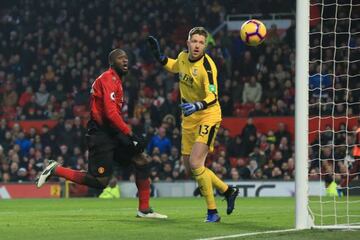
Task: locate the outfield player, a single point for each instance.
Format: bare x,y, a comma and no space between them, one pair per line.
109,139
201,114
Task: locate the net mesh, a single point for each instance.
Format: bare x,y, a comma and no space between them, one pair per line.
334,104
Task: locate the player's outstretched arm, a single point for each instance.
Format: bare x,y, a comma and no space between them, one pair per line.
155,50
169,64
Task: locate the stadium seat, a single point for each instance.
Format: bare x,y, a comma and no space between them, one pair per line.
79,110
9,113
233,162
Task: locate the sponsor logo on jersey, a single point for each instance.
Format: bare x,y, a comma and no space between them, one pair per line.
212,88
112,96
186,80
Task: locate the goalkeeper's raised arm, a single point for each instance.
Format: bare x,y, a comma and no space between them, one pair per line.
197,74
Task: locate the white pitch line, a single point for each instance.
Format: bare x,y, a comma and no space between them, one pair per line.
248,234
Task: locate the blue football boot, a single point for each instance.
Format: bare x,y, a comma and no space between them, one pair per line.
212,217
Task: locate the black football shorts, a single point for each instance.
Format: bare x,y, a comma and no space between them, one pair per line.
104,152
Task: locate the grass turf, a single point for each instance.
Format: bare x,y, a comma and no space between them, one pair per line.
115,219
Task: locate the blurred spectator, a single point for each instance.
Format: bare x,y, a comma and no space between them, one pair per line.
237,147
79,133
24,143
234,175
14,167
226,104
252,166
176,138
3,128
22,175
249,129
319,81
252,91
66,135
247,67
258,156
65,154
59,93
166,173
290,35
42,96
10,96
282,132
276,173
272,36
160,141
26,96
45,134
6,177
257,111
244,171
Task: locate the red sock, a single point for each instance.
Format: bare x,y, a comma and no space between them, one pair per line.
69,174
143,186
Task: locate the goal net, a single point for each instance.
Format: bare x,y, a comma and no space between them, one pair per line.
334,103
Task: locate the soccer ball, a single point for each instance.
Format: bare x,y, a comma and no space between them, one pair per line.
253,32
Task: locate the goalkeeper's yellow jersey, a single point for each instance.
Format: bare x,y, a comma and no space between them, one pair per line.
198,83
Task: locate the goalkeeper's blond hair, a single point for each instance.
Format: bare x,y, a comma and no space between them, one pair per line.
198,30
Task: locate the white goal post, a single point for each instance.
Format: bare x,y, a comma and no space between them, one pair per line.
302,217
334,41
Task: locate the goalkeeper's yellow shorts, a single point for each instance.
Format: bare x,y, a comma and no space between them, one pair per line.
198,131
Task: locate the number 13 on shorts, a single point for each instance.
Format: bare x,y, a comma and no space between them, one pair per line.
207,133
198,132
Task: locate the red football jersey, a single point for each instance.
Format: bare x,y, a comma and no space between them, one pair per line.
107,100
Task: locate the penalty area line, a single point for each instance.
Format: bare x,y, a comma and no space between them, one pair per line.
248,234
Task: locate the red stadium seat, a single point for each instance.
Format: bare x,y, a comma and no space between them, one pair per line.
233,162
9,113
79,110
242,110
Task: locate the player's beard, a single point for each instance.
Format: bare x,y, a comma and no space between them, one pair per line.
200,55
120,71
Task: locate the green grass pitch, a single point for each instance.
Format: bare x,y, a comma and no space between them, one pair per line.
115,219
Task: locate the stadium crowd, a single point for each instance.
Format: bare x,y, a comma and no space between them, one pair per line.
52,51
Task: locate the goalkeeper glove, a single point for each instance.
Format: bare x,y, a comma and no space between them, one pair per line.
190,108
155,50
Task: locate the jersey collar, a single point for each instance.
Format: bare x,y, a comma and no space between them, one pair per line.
113,72
194,61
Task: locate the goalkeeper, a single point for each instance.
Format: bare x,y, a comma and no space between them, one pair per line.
201,114
110,139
